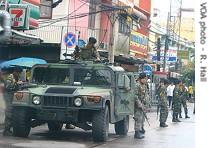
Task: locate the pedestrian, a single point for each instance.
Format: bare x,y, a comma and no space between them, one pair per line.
89,52
190,92
139,109
11,84
183,97
170,90
161,92
176,102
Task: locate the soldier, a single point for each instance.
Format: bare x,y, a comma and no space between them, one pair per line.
161,92
139,114
176,102
11,84
183,98
89,52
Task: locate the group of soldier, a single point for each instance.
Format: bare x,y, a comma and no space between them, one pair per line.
11,81
179,99
90,52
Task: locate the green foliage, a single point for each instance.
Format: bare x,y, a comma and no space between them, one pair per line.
188,73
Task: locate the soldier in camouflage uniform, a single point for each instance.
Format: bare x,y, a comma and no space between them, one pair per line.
183,101
161,92
89,52
139,109
176,101
11,85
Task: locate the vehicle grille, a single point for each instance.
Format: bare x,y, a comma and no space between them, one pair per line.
57,101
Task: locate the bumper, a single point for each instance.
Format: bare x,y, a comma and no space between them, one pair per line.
58,115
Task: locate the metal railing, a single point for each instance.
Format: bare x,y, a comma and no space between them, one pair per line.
53,34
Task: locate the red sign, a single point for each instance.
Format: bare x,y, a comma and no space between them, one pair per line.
17,16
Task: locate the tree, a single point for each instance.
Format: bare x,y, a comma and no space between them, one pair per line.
188,73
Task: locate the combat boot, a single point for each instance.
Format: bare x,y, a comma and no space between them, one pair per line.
174,120
187,116
142,130
138,135
180,116
177,120
163,125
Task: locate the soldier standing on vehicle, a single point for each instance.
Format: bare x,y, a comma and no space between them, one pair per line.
183,98
89,52
139,110
161,92
11,84
176,102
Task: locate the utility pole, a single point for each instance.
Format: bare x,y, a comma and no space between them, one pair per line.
180,21
112,19
158,54
167,36
166,42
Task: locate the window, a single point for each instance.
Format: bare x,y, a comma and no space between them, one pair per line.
46,9
123,26
92,77
53,76
92,17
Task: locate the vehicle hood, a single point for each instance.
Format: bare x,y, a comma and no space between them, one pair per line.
69,90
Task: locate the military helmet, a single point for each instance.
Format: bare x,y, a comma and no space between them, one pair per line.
142,75
92,40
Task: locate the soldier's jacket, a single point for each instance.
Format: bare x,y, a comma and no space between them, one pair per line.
10,84
162,95
177,95
141,93
184,92
89,52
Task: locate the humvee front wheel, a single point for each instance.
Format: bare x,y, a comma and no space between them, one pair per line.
21,123
100,123
122,127
54,126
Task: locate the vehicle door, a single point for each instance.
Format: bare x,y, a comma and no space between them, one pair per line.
125,93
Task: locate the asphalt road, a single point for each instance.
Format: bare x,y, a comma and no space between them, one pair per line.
177,135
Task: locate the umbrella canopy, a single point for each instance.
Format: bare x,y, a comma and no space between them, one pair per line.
22,62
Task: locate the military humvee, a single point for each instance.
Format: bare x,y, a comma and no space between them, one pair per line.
87,95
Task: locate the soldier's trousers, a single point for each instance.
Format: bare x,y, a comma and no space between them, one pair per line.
139,120
184,104
176,109
163,114
8,111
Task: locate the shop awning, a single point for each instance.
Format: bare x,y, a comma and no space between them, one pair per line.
19,37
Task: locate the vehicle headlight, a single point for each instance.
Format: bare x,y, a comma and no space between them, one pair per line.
78,102
36,100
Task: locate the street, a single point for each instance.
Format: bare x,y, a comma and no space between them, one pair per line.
177,135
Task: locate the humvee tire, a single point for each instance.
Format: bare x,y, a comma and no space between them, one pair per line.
122,127
21,123
100,125
54,126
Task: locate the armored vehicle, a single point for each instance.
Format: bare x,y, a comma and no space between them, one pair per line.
87,95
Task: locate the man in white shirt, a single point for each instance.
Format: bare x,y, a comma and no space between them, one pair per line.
170,90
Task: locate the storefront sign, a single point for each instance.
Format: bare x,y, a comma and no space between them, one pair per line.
138,43
171,55
20,16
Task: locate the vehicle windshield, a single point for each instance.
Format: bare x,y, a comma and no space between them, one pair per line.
62,76
98,77
54,76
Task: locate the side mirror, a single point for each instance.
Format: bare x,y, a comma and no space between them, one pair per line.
124,82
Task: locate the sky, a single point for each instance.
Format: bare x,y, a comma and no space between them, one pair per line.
164,6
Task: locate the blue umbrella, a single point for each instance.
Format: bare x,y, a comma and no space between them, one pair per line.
23,62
